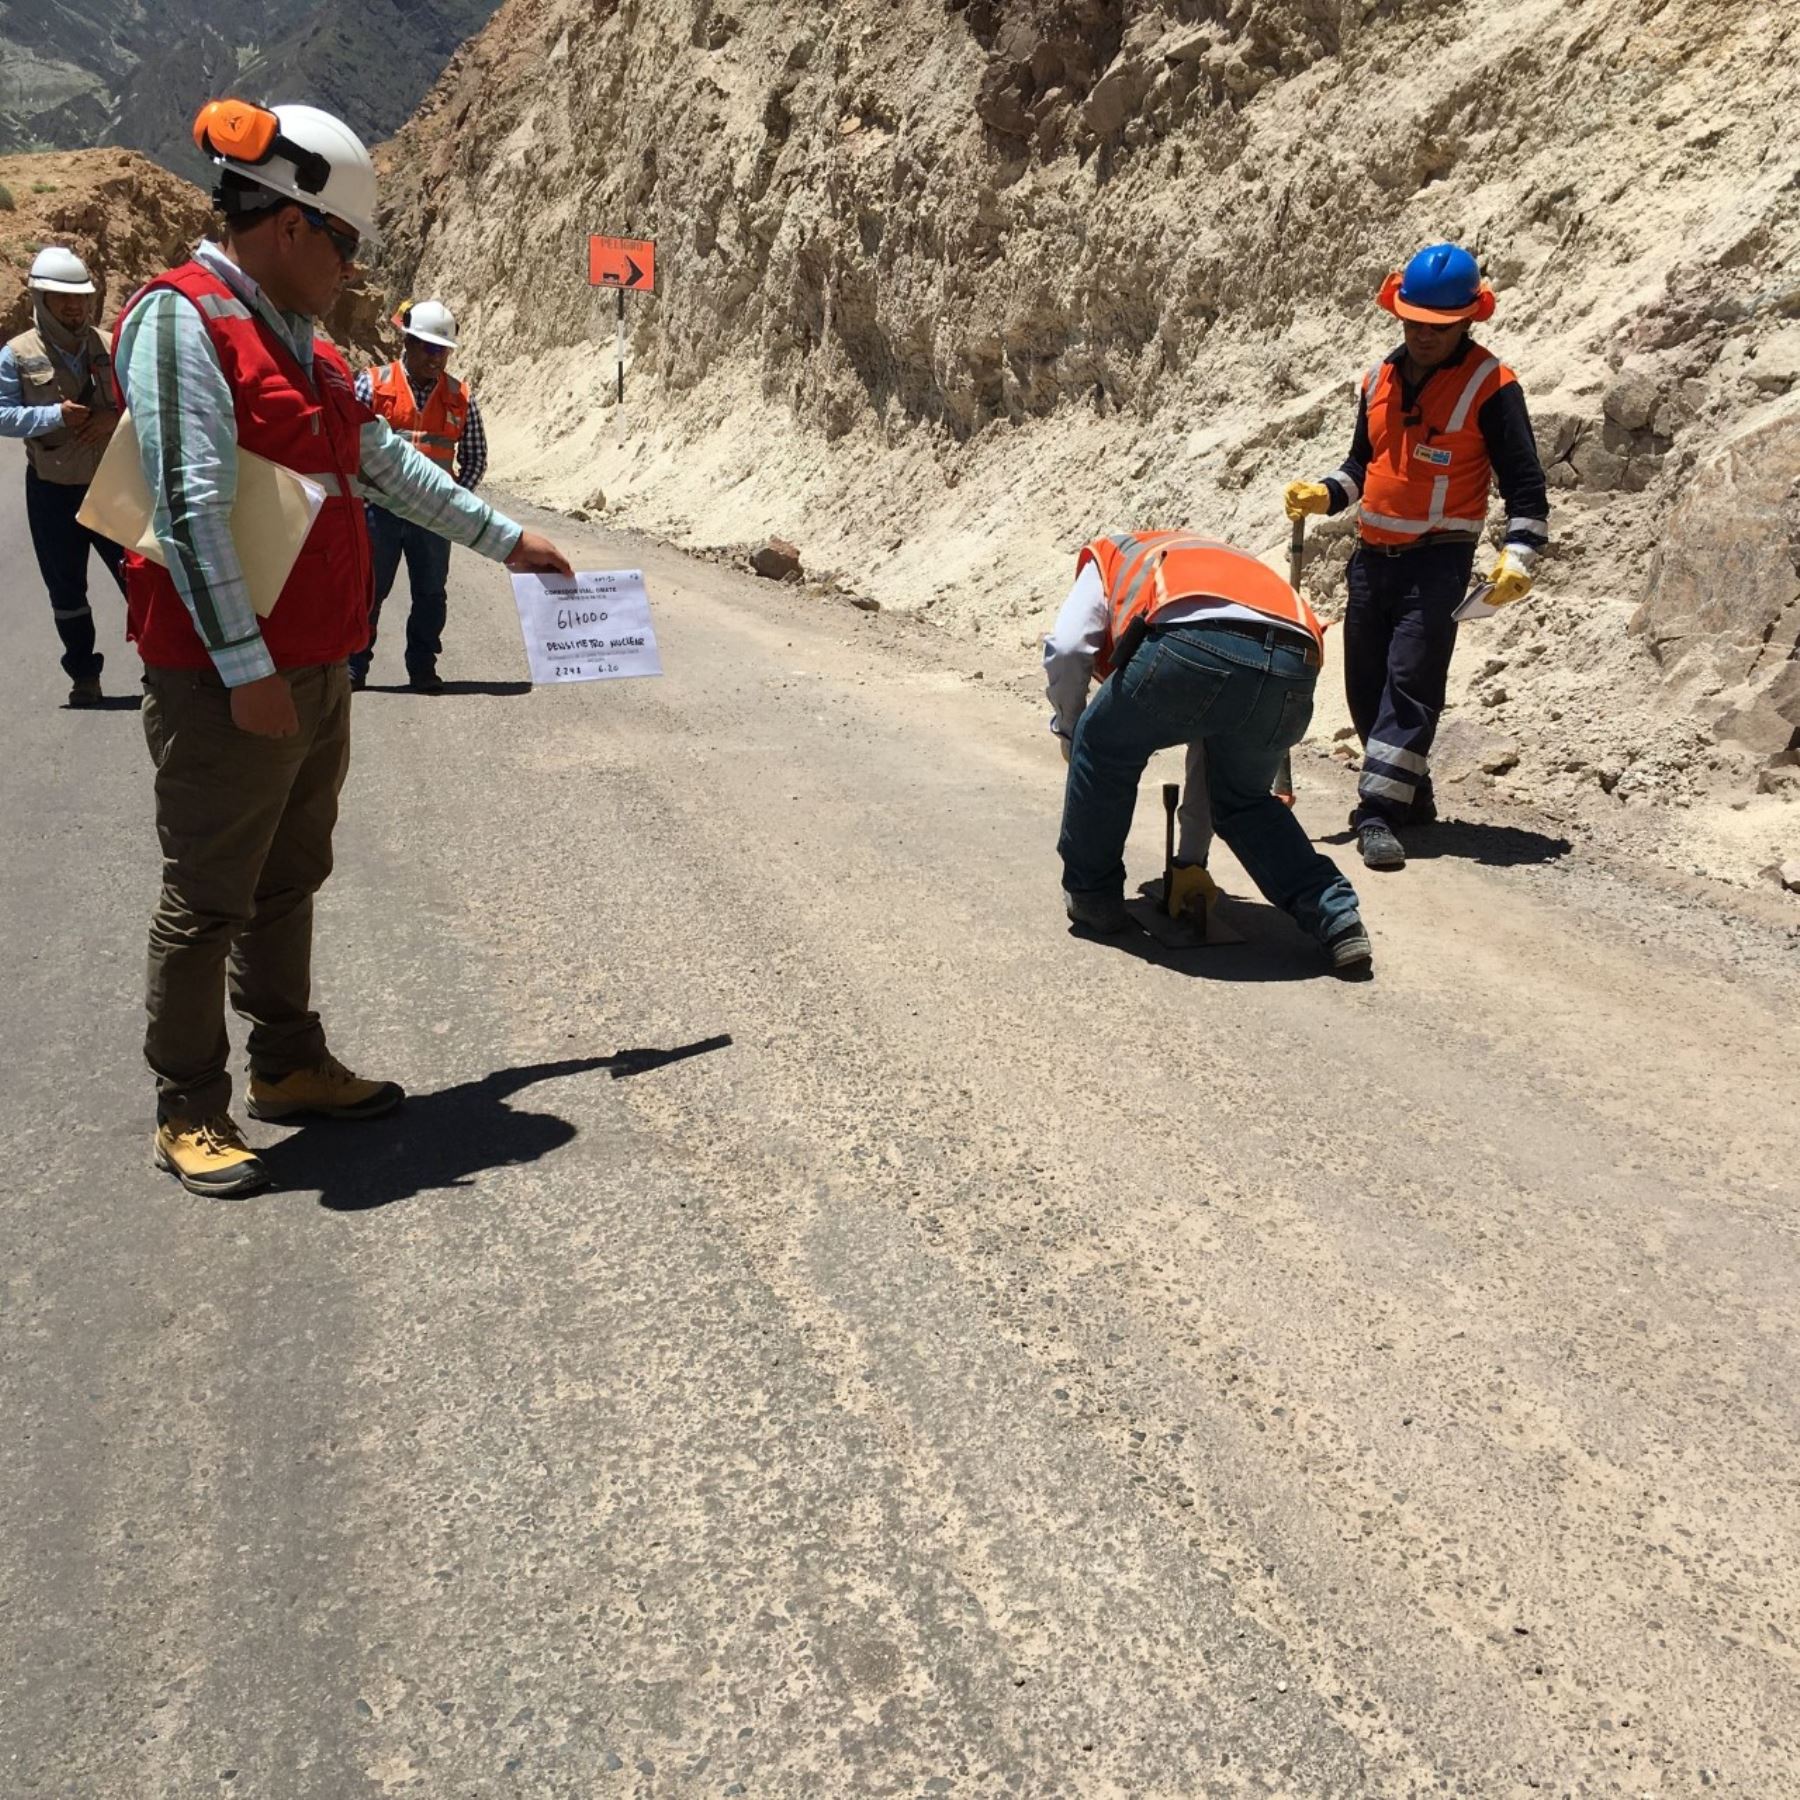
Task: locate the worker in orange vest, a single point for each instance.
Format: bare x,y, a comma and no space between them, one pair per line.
437,415
1194,643
1438,421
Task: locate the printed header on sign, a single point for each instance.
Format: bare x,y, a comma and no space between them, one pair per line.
595,627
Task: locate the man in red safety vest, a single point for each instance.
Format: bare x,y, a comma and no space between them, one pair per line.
1438,421
247,717
435,413
1194,643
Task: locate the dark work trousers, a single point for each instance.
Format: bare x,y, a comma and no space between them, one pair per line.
62,548
427,572
246,825
1399,634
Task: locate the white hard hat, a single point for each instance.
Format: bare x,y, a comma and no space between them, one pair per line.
59,271
432,322
296,151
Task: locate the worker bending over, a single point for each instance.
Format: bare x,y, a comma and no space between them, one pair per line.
1195,643
1437,421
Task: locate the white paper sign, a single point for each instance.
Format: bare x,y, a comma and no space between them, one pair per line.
595,627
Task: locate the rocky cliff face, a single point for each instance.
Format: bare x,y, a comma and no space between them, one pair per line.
946,287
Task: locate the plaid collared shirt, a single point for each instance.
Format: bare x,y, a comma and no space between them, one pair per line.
187,436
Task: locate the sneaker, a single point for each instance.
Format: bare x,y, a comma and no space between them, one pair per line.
426,681
1380,848
1349,947
328,1092
85,692
208,1156
1104,913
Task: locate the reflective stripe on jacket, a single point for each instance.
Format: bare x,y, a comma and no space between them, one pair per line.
436,429
313,427
46,380
1429,470
1145,571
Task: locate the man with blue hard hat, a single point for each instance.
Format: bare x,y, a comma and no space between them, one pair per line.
1438,422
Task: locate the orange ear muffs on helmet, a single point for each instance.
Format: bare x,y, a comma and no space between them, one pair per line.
1481,307
240,131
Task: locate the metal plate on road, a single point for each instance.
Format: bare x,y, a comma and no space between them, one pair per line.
628,263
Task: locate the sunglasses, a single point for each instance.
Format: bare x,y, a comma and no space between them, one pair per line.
345,243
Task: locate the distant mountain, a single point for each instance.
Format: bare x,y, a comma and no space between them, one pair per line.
134,72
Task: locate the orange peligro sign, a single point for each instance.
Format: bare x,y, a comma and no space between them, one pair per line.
618,262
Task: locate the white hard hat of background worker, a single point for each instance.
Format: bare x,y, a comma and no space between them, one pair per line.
64,297
430,321
55,270
294,153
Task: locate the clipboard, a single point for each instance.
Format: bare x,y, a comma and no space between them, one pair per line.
273,512
1475,603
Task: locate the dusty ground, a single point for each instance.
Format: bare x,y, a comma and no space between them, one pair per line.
1008,1364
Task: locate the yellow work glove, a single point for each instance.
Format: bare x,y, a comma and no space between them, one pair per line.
1510,580
1191,889
1302,497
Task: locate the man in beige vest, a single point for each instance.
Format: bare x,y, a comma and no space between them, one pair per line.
56,392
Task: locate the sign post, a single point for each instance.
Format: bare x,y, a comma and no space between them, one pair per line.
627,265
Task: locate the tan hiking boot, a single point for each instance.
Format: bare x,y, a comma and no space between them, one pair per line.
208,1156
328,1092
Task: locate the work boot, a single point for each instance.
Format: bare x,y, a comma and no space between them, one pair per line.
425,681
1101,912
208,1156
359,679
329,1091
1349,948
85,692
1380,848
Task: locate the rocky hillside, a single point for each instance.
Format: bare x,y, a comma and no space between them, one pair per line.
132,73
948,286
123,215
128,220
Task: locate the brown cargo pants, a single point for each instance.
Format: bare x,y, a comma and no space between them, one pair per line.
245,824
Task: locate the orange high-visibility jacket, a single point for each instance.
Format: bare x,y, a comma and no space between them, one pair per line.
1146,571
436,430
1429,470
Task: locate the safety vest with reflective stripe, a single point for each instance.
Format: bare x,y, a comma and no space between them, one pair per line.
437,427
1146,571
313,427
1428,470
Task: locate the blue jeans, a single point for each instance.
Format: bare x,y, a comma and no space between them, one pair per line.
427,572
62,545
1248,695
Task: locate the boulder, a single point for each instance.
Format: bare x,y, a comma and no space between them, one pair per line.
1724,587
1467,746
1631,400
777,560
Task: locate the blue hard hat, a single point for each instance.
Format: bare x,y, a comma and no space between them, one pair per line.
1444,277
1440,285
